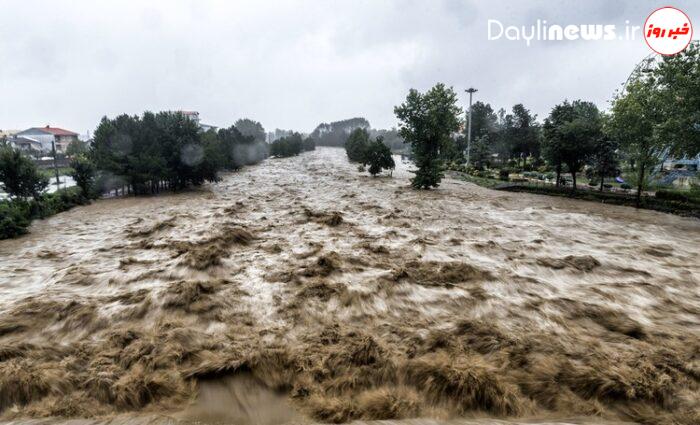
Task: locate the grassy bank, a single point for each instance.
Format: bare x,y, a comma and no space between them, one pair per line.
687,207
668,201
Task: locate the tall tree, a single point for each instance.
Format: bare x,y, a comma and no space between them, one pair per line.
251,128
427,123
604,161
378,157
636,114
677,88
19,176
570,135
524,134
83,173
356,145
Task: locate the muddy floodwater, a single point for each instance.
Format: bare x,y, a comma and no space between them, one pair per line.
300,290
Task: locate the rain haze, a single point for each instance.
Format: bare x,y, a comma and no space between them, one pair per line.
293,64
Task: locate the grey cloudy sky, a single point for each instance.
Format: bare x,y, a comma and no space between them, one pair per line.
293,64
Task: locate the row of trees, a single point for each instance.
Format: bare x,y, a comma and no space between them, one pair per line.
168,149
657,114
291,145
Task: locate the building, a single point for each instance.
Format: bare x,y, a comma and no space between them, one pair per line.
26,144
48,135
194,116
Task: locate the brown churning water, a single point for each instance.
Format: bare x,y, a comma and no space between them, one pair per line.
300,290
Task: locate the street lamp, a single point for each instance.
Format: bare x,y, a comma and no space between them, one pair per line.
471,91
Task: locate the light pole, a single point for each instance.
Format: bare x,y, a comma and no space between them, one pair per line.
471,91
55,167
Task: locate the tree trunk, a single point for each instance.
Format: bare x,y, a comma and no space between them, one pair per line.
601,183
573,177
558,174
640,184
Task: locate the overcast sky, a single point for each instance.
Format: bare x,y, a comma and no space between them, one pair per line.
293,64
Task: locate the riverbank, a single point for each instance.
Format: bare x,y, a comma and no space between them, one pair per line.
685,208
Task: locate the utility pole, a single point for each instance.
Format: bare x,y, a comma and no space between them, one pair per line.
471,91
55,167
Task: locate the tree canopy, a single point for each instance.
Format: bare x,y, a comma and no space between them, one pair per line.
356,145
377,156
570,135
19,176
251,128
428,121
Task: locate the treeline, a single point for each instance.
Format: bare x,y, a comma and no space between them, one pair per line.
132,154
655,116
167,151
337,133
291,145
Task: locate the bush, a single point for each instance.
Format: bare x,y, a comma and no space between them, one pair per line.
14,219
625,186
592,183
59,201
503,174
607,185
673,195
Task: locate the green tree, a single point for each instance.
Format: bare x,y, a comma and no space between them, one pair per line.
635,117
427,123
524,133
570,135
309,144
76,147
287,146
19,176
83,173
677,91
251,128
356,145
378,157
150,150
604,161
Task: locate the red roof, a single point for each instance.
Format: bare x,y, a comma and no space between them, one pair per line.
59,131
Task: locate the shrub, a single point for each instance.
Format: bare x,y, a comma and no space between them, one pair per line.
503,174
59,201
625,186
592,183
607,185
672,195
14,219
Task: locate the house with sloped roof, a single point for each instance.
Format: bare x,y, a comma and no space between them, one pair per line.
26,144
48,135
